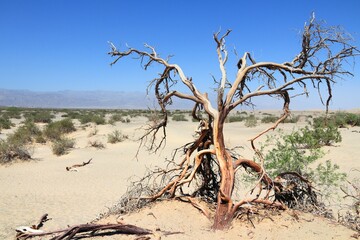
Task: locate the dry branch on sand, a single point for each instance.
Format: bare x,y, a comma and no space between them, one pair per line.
74,167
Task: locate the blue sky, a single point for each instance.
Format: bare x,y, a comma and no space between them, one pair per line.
52,45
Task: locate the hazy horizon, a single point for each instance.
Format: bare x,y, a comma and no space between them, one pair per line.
50,46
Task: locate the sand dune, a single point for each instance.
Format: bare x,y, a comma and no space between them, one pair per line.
30,189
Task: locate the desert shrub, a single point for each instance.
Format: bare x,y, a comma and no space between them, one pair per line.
55,130
339,119
62,146
91,117
25,134
179,117
292,119
116,136
5,123
235,118
10,151
39,117
250,121
315,136
327,177
12,112
269,118
93,132
287,154
118,118
96,144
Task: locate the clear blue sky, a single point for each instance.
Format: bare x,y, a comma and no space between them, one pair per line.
51,45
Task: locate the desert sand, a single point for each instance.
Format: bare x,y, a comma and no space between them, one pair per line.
30,189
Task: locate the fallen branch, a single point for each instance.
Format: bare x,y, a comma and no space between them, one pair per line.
73,167
88,230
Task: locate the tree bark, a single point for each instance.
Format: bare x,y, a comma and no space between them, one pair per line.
223,215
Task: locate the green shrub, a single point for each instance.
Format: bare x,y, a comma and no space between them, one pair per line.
62,146
90,117
116,136
292,119
25,134
235,118
327,177
5,123
39,117
13,112
269,119
287,154
339,119
55,130
251,121
179,117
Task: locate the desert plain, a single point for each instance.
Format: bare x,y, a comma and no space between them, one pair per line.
29,189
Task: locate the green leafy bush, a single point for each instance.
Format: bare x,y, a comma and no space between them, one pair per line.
298,152
116,136
327,177
62,146
287,154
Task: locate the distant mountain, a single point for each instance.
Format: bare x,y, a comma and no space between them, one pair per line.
75,99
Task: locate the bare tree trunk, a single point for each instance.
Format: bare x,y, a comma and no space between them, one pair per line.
223,215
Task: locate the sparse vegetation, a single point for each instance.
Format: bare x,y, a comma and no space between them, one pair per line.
10,151
25,134
269,119
339,119
116,136
5,123
179,117
118,118
251,121
96,144
62,145
235,118
92,117
55,130
39,116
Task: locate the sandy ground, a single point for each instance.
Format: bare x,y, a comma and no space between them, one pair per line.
30,189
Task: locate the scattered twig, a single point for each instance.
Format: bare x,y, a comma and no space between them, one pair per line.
74,167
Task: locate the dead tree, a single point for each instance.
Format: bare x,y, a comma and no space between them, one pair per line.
320,62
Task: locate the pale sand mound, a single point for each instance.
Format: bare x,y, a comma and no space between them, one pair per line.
176,216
